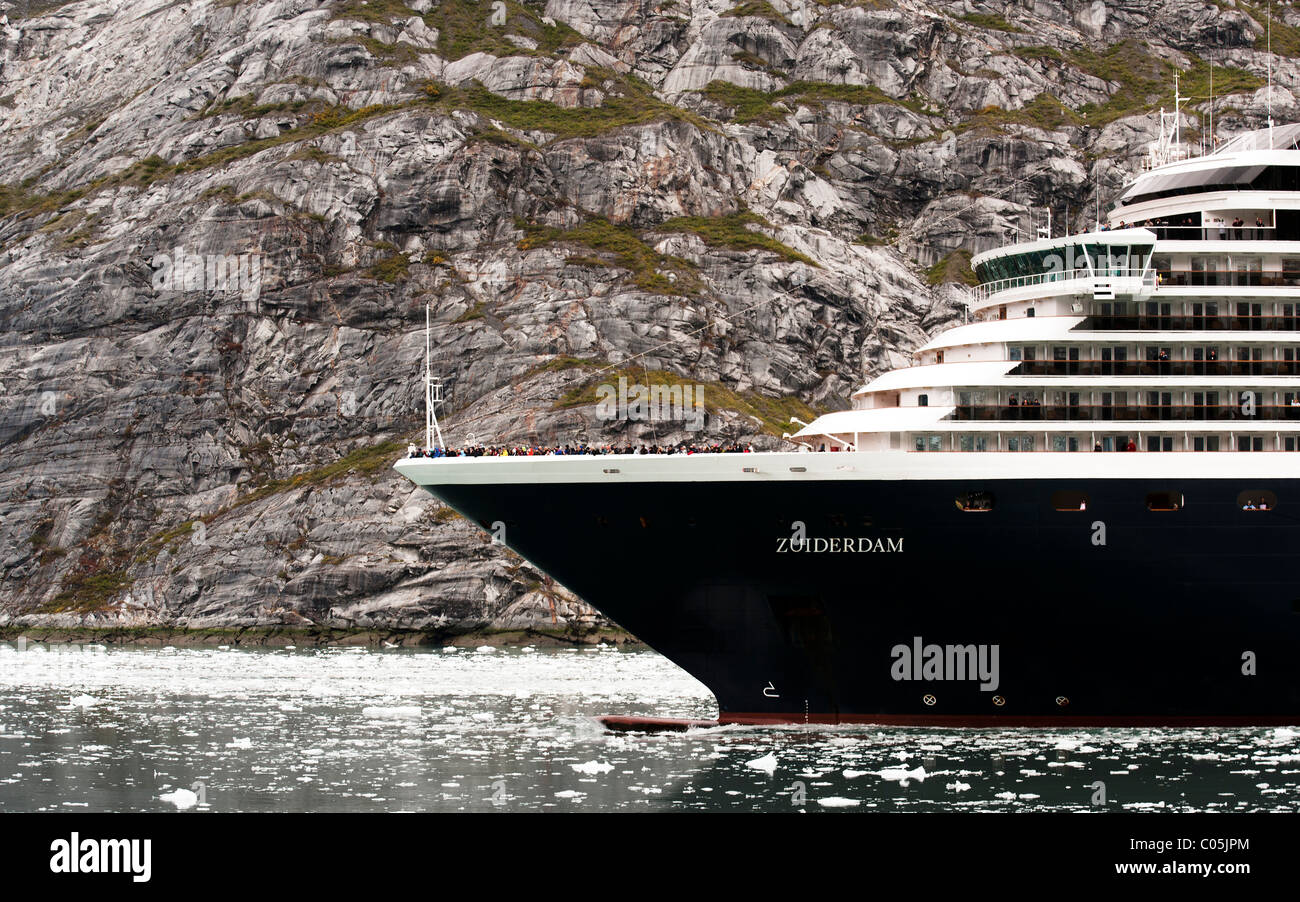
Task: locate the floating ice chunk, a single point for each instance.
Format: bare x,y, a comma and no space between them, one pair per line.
1284,734
397,712
484,716
289,706
181,798
569,794
240,742
485,650
767,763
902,775
593,767
959,786
838,802
449,649
854,774
83,701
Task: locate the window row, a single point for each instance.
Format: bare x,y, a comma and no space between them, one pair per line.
1076,501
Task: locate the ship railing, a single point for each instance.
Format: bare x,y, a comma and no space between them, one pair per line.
1123,412
986,290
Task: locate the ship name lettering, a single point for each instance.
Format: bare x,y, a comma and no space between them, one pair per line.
841,545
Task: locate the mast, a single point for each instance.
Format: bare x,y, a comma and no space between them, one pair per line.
1210,148
432,392
1269,48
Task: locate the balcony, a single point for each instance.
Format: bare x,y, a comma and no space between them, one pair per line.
1169,323
1227,278
1124,413
1156,368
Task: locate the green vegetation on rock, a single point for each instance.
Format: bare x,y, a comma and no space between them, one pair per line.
749,105
733,232
772,413
628,102
1145,82
991,22
651,271
953,267
759,9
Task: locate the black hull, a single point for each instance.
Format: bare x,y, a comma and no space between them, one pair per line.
1161,624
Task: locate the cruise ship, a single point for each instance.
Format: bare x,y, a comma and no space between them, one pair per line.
1080,507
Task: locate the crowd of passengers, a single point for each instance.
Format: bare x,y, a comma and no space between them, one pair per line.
580,448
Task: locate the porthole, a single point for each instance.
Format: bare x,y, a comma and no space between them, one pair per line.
1257,500
975,502
1067,500
1164,501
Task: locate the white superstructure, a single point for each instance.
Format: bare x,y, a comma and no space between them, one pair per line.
1175,327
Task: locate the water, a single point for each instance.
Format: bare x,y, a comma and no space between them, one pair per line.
207,729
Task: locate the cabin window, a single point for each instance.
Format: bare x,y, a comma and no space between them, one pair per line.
1250,443
1069,501
1257,500
1164,501
975,502
923,400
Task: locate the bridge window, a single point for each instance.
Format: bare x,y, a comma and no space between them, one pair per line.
1164,501
1257,500
975,502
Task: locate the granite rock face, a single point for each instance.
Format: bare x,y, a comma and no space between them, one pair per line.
221,223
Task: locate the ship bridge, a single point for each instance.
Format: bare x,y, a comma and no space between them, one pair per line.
1106,264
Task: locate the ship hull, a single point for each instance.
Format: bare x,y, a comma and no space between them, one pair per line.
878,600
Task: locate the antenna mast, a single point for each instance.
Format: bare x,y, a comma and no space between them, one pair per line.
1210,148
1269,44
432,392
